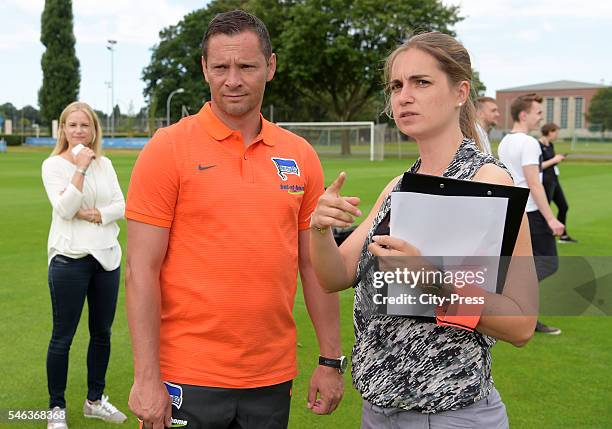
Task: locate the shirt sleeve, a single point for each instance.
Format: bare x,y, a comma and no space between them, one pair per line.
154,184
65,198
314,188
531,153
116,209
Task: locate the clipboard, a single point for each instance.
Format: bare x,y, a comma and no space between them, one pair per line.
517,198
441,186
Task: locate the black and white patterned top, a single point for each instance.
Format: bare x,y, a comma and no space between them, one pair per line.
406,363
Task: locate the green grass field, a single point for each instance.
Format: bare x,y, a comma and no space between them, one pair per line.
553,382
590,150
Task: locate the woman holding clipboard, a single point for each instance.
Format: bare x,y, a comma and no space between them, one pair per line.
412,372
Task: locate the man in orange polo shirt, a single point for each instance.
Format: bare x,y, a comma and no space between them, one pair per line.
218,213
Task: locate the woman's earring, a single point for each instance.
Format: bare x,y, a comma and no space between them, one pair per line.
460,104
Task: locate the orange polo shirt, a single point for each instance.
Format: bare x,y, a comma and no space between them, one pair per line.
229,277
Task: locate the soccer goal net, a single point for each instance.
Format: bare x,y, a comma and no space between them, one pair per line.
340,138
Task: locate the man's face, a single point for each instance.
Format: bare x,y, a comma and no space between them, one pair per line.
533,117
237,71
489,114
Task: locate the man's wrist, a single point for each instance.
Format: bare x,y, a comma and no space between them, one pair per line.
337,363
147,375
320,230
145,380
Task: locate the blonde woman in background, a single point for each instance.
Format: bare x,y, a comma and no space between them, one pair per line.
84,257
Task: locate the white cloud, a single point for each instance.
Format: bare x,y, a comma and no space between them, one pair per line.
528,35
128,21
135,21
30,7
19,25
528,8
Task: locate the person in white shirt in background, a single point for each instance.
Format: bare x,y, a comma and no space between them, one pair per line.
84,257
487,115
522,155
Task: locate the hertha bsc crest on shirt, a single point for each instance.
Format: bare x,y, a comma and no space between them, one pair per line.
285,166
176,394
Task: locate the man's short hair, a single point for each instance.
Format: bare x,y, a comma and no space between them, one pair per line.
523,103
549,128
480,101
236,22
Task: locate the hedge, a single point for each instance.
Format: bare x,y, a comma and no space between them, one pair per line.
12,139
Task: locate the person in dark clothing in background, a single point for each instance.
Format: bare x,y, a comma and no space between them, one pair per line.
550,176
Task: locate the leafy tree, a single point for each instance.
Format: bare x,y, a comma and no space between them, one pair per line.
101,116
116,111
60,66
478,87
329,53
335,49
31,113
600,109
8,111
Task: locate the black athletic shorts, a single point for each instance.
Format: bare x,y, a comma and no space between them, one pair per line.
198,407
543,245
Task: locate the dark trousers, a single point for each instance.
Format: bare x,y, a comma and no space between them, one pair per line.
554,193
70,282
543,245
199,407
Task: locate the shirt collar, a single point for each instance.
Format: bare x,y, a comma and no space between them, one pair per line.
219,131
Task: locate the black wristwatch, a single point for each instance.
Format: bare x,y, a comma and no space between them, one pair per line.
340,364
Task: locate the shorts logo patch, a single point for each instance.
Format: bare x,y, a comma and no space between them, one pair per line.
176,394
286,166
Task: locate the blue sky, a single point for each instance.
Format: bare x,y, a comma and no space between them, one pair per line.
512,43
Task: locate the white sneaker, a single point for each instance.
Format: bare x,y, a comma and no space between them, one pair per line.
57,419
103,410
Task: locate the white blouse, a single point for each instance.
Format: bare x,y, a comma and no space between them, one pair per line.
77,238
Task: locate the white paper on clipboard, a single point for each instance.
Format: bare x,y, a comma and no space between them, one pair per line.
452,227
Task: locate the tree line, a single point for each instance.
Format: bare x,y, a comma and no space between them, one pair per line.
330,55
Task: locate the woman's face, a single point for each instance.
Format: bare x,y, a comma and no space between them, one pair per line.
552,136
78,129
423,101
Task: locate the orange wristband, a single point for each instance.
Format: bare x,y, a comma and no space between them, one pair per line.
465,312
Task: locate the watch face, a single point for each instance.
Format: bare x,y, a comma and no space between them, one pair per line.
340,364
343,364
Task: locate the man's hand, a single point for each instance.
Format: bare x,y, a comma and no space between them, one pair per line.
150,402
556,226
328,383
333,209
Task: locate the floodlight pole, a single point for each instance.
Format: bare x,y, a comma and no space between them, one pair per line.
176,91
111,48
108,105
